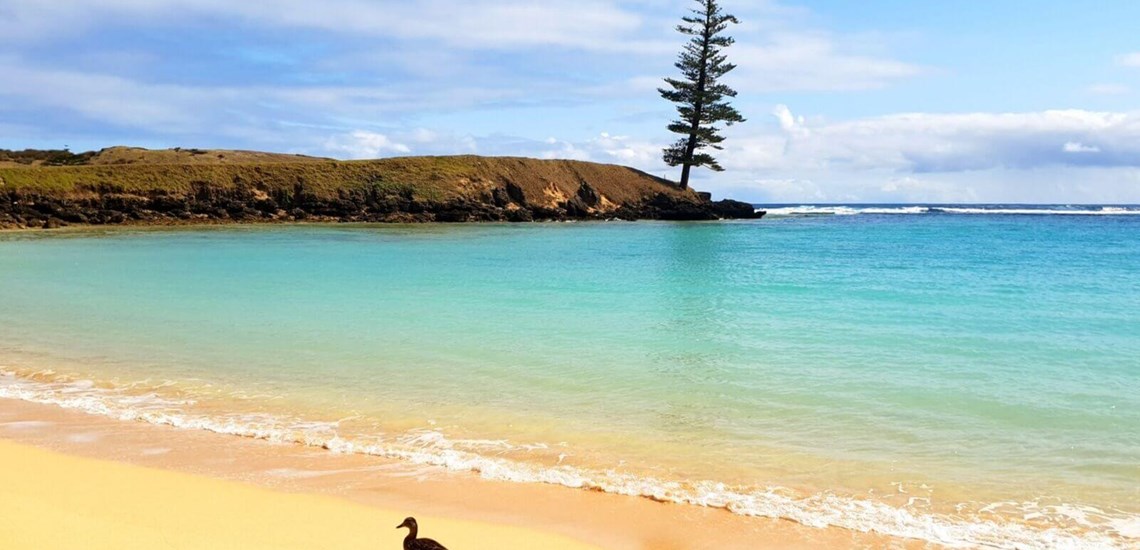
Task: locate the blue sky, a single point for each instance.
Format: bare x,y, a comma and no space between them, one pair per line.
887,101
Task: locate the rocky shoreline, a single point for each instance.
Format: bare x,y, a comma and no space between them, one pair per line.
131,185
208,203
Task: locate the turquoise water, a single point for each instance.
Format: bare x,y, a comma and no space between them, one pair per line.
963,379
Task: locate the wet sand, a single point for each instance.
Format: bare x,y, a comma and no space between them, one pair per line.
70,480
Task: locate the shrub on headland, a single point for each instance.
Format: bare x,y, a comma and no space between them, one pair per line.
47,157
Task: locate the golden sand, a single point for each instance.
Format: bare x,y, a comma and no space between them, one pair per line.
55,501
70,480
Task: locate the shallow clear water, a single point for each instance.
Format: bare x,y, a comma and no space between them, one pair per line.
967,379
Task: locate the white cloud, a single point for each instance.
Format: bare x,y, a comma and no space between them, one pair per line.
1078,147
810,61
423,135
790,190
924,143
1129,59
1108,89
112,99
564,150
608,149
789,123
367,144
177,109
626,150
1048,156
362,144
589,24
430,38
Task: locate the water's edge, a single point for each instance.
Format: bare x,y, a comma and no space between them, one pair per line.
434,449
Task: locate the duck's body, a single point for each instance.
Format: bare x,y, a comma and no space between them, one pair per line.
413,543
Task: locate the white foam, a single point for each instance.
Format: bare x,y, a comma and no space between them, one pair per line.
1127,527
431,447
1105,211
807,210
838,210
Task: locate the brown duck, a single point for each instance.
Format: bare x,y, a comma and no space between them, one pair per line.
412,543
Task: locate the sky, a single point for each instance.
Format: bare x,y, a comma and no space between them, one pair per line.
1018,101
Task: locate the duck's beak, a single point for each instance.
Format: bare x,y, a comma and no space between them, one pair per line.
402,525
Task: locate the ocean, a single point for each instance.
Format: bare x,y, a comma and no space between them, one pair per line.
961,374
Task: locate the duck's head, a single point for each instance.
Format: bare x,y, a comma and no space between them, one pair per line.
410,523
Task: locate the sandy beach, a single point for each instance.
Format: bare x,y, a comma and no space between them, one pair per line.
52,500
73,480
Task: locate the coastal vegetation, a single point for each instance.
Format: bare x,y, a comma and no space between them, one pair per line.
699,95
132,185
45,157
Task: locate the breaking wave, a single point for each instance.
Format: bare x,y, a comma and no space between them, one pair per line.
808,210
994,526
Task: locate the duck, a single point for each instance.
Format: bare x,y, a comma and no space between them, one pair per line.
413,543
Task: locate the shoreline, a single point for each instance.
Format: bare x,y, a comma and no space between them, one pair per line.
591,518
85,509
472,488
332,222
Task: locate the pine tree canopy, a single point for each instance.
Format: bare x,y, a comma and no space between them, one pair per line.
700,97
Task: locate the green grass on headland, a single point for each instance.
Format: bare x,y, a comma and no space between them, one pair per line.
128,170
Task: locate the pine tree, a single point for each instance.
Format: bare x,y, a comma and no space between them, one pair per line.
700,98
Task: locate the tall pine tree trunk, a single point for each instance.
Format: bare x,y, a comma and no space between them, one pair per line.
688,165
698,107
685,175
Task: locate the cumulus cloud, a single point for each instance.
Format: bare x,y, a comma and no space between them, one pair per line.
791,190
1047,156
923,142
1108,89
362,144
1129,59
606,148
1078,147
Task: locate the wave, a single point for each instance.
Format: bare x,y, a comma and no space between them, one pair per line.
1069,526
808,210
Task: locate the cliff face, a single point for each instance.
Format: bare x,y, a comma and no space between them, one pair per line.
124,185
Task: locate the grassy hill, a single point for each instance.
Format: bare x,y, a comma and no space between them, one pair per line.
122,185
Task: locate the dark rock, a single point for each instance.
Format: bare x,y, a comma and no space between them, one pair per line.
519,215
731,209
625,212
73,216
164,203
704,196
500,197
670,207
516,194
588,195
576,207
267,206
548,214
